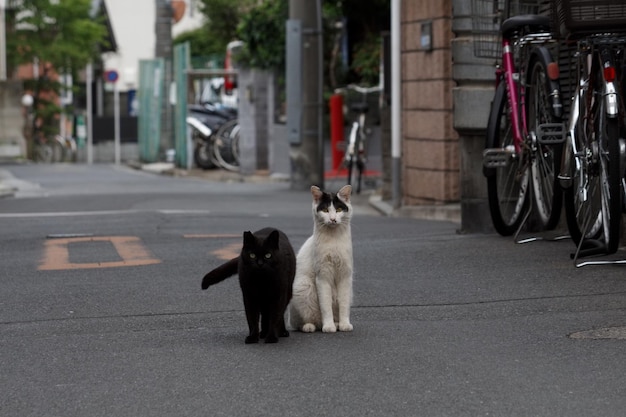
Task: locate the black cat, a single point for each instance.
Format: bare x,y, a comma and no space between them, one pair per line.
266,268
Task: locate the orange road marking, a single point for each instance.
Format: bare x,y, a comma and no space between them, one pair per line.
130,249
228,252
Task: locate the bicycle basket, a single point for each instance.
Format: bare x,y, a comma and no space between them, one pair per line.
589,16
488,15
486,19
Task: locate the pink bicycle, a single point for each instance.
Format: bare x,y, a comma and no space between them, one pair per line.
525,133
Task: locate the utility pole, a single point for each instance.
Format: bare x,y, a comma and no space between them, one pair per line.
305,93
163,49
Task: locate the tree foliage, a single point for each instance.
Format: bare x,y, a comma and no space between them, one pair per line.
61,33
220,27
262,31
63,37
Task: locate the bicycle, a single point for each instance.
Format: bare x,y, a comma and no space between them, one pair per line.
356,149
524,131
592,169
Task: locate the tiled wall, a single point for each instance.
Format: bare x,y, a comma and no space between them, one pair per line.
430,155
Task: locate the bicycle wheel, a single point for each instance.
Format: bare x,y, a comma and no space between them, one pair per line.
507,184
583,210
547,194
226,145
594,205
350,158
610,177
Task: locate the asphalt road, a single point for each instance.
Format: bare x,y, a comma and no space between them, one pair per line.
101,311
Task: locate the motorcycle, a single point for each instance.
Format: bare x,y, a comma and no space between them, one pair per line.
209,124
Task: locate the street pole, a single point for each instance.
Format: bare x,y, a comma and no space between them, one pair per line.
88,89
163,49
3,42
396,104
307,147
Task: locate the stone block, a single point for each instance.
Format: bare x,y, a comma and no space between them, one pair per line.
471,107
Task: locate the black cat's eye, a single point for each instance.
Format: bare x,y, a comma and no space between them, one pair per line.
268,255
252,255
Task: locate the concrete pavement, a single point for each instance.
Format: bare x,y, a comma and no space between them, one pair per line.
371,196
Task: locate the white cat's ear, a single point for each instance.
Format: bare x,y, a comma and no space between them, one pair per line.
317,193
345,193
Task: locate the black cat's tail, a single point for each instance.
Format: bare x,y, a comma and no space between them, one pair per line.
220,273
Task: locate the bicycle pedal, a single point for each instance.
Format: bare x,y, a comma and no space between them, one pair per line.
551,133
497,157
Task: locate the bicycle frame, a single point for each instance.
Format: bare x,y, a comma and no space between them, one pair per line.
515,102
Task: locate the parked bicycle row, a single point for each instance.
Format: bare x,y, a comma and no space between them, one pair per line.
554,141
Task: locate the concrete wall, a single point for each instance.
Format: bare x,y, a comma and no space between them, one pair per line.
12,143
472,97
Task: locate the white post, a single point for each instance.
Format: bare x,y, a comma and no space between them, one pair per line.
396,101
116,110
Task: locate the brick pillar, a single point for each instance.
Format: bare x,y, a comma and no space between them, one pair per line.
430,172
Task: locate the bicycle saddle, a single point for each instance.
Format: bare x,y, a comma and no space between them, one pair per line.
359,107
515,23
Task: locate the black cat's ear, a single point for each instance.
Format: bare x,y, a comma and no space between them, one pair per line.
272,240
248,238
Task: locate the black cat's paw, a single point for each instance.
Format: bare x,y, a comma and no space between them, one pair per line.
271,339
263,333
252,339
284,333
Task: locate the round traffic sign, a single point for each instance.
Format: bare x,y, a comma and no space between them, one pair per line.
111,76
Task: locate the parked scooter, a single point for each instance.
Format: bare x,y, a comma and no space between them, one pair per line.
208,123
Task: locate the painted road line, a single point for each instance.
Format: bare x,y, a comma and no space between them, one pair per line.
130,249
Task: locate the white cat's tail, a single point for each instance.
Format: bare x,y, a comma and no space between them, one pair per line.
304,313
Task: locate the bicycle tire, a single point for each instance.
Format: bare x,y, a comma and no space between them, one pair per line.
352,149
547,193
226,145
507,186
582,213
612,187
593,202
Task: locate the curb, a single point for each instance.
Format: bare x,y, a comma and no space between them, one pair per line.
445,212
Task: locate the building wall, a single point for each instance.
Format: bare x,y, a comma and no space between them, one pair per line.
430,151
133,23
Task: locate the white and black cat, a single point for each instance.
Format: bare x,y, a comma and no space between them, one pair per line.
266,268
322,290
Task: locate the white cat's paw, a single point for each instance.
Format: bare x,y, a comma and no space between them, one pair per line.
329,328
308,328
345,327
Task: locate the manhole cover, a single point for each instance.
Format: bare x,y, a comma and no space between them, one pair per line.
606,333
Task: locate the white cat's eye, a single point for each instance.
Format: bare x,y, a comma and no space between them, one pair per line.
339,209
268,255
325,210
253,256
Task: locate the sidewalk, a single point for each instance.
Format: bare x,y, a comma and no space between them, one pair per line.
6,188
9,185
448,212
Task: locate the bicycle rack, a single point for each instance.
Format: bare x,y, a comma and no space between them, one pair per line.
591,247
553,238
